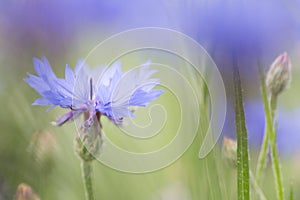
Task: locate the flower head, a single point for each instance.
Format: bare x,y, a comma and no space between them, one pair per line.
25,192
279,74
95,92
229,150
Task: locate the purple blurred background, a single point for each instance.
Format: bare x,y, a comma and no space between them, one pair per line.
240,32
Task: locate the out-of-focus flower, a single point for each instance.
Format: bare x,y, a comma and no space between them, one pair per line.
42,147
246,31
96,92
51,24
243,33
229,151
25,192
279,74
288,136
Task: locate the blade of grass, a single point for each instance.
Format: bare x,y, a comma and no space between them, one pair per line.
242,141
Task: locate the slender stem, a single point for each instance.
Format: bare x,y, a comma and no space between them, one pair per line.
271,134
262,158
273,105
274,151
87,179
256,187
276,168
276,165
242,140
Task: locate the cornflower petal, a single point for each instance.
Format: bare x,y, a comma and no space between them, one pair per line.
95,92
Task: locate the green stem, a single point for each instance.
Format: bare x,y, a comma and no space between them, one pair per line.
270,110
273,105
242,140
87,179
262,158
276,166
274,151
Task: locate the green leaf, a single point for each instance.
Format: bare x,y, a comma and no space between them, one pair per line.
242,140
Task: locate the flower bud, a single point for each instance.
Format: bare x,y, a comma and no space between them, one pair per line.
279,75
43,147
229,151
82,151
25,192
89,141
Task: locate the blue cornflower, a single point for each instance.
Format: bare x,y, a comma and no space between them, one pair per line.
94,92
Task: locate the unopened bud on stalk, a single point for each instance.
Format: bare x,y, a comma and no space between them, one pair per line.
43,147
229,151
24,192
82,151
279,74
89,141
